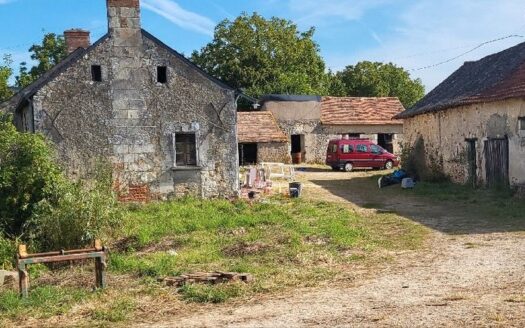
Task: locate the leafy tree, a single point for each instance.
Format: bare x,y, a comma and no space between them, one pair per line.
5,73
264,56
374,79
52,50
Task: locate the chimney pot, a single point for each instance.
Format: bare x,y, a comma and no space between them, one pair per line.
76,38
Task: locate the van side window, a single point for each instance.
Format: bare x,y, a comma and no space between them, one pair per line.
362,149
334,148
347,149
375,149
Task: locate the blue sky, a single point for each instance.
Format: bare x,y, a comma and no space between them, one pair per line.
411,33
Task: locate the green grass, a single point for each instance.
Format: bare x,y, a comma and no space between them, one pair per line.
283,243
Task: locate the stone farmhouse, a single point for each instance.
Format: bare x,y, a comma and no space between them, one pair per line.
166,126
309,122
472,125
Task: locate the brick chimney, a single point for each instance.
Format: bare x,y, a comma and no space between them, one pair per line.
76,38
123,15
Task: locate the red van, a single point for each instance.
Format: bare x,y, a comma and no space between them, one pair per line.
352,153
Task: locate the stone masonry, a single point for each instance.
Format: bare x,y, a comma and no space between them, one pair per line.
130,120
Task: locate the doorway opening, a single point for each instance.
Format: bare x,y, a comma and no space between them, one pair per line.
297,141
472,161
247,154
386,141
497,162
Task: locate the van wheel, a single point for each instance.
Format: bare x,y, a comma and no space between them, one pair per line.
389,165
349,167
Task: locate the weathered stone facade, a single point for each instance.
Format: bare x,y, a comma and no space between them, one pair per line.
445,135
130,119
273,152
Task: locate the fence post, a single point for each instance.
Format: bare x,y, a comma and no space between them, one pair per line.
23,276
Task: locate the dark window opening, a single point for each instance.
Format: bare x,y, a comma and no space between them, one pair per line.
185,149
386,141
247,154
162,74
96,73
472,161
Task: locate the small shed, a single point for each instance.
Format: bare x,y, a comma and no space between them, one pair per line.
260,139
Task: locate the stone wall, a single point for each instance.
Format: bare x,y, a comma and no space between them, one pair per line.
445,133
128,120
273,152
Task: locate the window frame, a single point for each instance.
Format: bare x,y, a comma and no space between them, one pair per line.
174,150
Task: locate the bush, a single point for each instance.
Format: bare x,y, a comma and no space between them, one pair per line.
78,216
40,205
7,253
28,175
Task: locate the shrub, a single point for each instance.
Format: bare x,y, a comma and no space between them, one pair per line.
28,175
39,204
78,216
7,253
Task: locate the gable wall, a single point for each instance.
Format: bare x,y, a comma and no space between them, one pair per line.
444,134
128,119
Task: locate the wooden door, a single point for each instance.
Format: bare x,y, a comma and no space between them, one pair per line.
497,162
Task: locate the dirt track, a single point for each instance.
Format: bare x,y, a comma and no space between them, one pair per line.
472,274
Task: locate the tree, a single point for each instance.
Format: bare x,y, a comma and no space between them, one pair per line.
374,79
5,73
52,50
264,56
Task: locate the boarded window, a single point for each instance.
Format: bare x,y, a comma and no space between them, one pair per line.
162,74
347,149
185,149
96,73
362,149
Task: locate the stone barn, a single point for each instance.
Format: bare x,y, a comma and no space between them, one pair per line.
309,122
261,139
472,125
165,126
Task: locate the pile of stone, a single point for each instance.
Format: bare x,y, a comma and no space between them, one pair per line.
207,278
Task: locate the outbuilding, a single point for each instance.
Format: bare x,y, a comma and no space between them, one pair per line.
472,125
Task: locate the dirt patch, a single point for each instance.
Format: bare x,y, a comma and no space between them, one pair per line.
244,248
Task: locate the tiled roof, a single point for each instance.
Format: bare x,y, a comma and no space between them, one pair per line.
496,77
360,111
257,127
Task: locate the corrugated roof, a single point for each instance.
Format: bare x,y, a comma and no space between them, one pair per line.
260,126
360,111
496,77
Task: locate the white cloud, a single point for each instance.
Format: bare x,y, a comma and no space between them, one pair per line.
430,32
179,16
